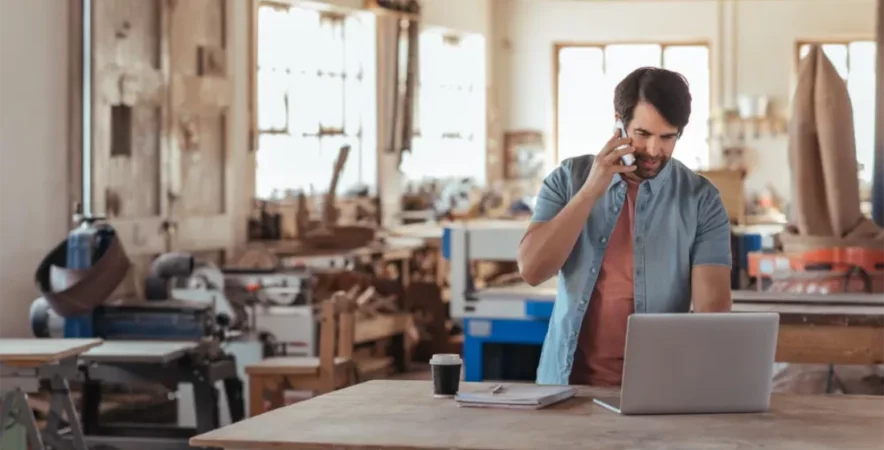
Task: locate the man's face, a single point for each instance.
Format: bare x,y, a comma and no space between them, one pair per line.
653,139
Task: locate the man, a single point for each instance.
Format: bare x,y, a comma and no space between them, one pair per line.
653,237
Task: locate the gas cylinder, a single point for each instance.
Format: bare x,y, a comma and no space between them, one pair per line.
86,244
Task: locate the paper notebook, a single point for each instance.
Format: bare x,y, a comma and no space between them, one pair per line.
528,396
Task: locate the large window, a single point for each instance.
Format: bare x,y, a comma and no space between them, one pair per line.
312,99
587,75
450,111
855,61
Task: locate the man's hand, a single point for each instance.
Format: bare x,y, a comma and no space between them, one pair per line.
606,164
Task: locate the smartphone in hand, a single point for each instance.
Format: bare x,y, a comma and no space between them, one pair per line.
627,159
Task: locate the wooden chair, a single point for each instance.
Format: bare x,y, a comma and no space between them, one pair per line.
320,375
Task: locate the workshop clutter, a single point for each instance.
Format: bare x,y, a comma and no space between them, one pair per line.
821,271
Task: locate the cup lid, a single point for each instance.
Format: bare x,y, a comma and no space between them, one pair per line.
445,358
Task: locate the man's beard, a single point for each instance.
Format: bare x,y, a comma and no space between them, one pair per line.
647,174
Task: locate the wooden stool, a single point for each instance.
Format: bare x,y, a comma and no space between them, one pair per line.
320,375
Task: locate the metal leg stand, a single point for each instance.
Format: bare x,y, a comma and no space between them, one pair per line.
61,402
205,397
14,407
235,402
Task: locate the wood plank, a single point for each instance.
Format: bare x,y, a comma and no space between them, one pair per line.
784,297
34,351
833,315
404,415
380,327
204,176
160,352
808,344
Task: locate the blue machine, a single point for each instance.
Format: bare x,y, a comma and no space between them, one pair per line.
495,319
155,319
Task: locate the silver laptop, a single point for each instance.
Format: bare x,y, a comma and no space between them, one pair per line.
697,363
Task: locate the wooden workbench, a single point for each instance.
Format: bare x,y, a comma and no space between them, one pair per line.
403,415
822,329
37,352
25,358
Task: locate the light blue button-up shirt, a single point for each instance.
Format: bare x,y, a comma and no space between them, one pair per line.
680,222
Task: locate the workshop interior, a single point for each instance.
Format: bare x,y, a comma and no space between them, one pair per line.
235,207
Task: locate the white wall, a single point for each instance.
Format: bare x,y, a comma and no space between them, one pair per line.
752,44
33,148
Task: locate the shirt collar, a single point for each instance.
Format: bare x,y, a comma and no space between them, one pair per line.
655,183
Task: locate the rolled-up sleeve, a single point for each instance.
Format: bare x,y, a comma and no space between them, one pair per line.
712,245
553,195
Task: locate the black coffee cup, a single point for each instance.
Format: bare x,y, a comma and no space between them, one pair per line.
446,374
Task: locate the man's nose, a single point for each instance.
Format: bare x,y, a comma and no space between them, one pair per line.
654,147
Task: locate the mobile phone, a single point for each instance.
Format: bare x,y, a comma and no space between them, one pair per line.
627,159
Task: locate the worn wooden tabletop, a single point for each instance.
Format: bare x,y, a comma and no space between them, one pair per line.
403,415
36,351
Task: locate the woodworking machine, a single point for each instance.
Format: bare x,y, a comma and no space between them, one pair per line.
498,316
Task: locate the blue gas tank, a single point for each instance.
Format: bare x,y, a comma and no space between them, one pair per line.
86,244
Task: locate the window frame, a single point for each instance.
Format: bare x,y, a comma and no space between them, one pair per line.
475,89
826,41
558,46
255,131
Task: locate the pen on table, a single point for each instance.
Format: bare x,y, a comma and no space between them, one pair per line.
497,389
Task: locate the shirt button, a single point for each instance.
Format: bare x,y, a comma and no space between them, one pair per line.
603,240
573,334
592,270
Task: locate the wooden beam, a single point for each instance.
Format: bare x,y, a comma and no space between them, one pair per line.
878,170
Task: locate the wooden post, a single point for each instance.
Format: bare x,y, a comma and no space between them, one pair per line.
878,170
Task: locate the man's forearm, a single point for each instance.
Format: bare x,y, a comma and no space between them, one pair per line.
546,246
711,289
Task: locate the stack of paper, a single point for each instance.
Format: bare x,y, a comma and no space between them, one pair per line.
528,396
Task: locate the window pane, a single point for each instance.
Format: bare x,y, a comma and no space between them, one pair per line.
692,61
306,95
274,35
585,109
272,92
622,59
451,109
837,53
861,86
304,24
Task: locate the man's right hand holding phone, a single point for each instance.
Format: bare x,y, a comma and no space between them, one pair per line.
605,164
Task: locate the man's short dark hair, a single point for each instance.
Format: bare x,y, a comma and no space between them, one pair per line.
664,89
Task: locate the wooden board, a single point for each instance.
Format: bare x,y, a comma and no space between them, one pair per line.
816,314
129,127
404,415
200,147
380,327
742,296
36,351
162,169
159,352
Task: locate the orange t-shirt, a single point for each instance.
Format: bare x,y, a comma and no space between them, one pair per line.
598,360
